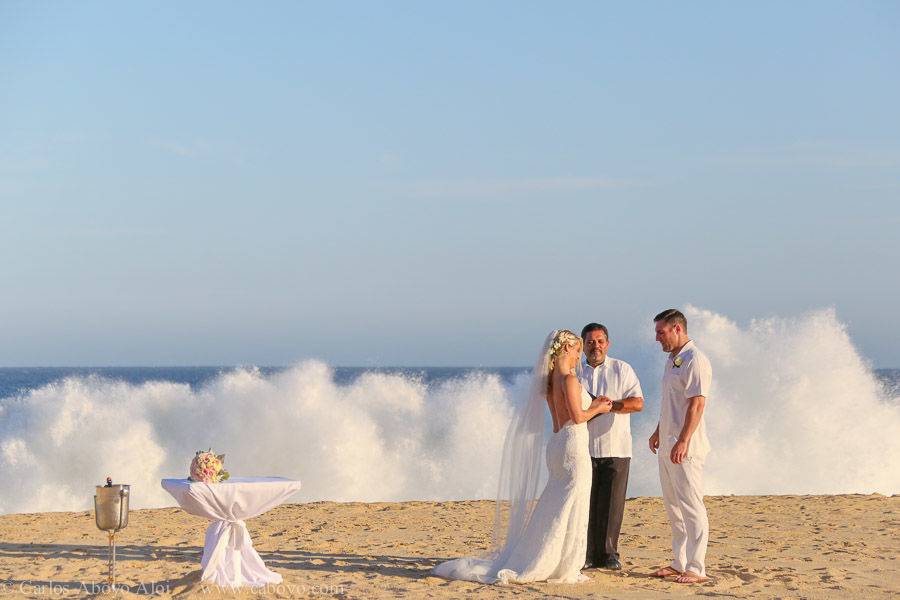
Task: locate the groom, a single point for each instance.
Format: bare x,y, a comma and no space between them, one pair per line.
609,437
680,438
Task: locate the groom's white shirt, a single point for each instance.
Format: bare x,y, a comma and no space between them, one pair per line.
692,376
610,433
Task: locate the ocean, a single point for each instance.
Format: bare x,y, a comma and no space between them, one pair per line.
17,381
784,417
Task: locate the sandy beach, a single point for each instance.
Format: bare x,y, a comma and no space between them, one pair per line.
761,547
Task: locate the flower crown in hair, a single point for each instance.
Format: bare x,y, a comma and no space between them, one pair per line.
563,338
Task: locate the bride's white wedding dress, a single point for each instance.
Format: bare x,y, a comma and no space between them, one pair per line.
553,545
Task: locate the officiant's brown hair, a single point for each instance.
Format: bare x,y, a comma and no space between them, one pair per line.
672,316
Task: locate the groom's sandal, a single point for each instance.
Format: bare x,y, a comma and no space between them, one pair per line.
690,577
666,572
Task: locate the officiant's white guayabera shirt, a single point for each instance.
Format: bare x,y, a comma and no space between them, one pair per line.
687,374
610,433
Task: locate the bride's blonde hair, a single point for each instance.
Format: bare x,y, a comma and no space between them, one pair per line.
562,340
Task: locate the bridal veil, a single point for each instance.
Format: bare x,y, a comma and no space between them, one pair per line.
520,478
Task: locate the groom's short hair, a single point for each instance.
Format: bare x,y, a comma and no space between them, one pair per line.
594,327
672,316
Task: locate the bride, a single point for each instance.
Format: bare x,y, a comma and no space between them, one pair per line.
547,539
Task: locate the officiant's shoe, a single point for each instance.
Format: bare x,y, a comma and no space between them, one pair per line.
612,563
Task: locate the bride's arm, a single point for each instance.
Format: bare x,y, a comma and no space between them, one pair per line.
573,402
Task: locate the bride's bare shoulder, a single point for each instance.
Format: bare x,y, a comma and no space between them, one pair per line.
558,381
571,383
564,379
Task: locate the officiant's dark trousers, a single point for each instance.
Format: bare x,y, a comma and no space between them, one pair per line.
608,486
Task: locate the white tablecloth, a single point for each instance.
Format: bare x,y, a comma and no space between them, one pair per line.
229,558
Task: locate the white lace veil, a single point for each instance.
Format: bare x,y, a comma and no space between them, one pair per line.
520,468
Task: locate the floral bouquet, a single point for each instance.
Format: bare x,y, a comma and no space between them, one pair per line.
208,467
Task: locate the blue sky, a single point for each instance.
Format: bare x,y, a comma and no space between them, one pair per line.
437,184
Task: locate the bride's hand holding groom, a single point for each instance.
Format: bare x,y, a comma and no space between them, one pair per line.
601,402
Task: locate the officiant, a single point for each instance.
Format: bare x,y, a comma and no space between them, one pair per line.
610,444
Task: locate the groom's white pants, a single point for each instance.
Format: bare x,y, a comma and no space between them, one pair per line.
682,489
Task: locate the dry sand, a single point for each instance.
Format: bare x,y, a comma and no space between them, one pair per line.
761,547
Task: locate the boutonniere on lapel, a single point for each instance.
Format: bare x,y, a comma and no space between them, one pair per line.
676,364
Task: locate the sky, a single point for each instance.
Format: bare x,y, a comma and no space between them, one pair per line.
438,184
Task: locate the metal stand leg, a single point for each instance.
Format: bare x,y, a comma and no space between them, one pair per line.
111,579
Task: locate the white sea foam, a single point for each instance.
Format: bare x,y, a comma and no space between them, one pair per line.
795,409
382,437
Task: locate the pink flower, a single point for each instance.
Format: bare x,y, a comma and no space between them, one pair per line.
207,467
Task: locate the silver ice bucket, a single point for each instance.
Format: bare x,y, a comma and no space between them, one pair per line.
111,507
